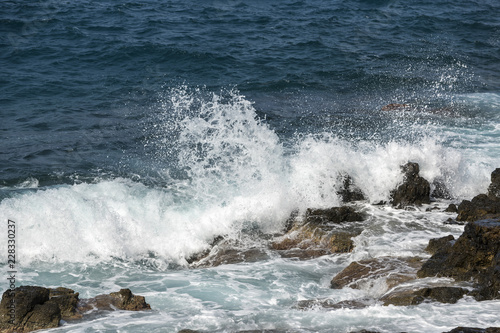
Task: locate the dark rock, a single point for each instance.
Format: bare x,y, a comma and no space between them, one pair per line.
415,190
483,206
332,215
393,270
221,255
452,208
474,255
43,316
411,297
188,331
439,244
122,300
349,191
451,221
494,188
35,308
24,309
480,207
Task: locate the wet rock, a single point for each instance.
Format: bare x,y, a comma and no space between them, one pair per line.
317,233
332,215
483,206
452,208
475,255
413,297
439,244
475,330
121,300
480,207
26,309
414,190
349,191
387,270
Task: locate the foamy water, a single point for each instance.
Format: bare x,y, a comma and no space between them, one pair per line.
234,174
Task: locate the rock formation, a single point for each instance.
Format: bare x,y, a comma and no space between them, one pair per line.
29,308
414,190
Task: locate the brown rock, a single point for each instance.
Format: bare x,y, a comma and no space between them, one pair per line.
393,270
318,234
25,309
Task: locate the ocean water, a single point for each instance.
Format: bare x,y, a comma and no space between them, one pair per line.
134,133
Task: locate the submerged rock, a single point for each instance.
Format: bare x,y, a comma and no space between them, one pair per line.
320,232
414,190
29,308
387,270
475,255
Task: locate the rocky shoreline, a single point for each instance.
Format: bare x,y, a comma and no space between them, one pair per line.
470,263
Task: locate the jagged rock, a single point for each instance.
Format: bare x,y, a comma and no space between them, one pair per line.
392,271
480,207
122,300
414,190
349,191
317,234
474,255
439,244
414,297
35,308
26,309
483,206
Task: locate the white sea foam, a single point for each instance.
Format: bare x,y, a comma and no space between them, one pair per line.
237,174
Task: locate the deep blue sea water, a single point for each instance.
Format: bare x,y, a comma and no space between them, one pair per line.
134,132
